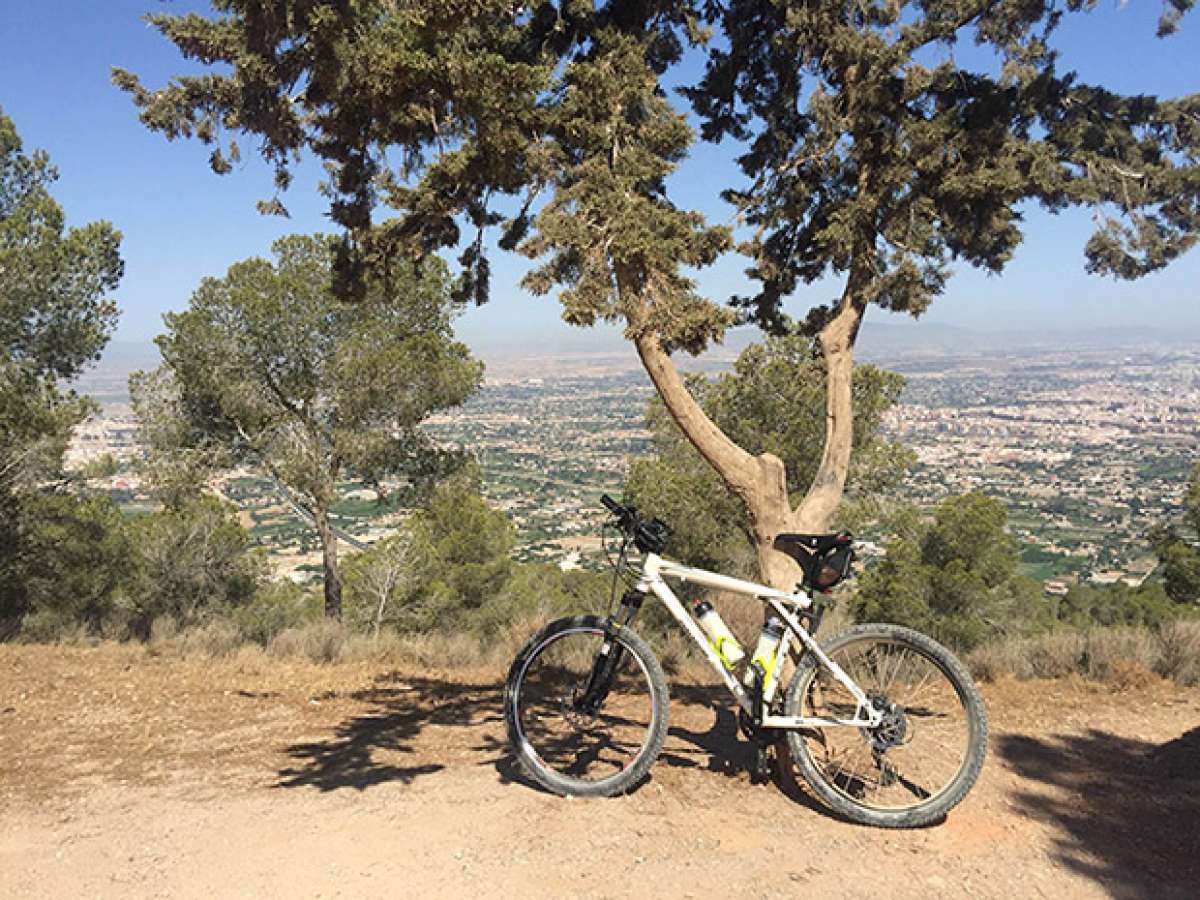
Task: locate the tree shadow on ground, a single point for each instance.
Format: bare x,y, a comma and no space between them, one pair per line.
399,709
1127,811
725,750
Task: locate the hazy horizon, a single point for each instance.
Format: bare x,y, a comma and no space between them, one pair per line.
879,341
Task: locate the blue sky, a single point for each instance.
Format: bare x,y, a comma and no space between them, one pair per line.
180,222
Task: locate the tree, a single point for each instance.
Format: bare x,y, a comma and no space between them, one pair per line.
866,159
55,311
1180,557
773,401
955,577
1116,604
55,317
381,579
189,561
266,365
469,546
73,560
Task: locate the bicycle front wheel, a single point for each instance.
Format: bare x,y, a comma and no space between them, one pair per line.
924,756
581,723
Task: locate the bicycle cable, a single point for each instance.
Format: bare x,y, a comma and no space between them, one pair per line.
620,566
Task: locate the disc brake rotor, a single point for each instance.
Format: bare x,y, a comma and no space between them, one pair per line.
892,730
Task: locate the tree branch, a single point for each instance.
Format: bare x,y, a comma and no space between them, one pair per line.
731,462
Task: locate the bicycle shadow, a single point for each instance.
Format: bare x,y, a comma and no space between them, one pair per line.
361,751
719,748
1126,811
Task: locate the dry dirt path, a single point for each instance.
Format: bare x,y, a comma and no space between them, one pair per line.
128,775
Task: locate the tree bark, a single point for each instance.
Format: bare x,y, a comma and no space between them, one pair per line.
329,562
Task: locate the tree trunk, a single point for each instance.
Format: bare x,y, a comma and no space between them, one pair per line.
760,481
329,562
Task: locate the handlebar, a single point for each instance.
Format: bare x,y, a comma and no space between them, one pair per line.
649,537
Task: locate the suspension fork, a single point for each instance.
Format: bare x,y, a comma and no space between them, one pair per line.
611,654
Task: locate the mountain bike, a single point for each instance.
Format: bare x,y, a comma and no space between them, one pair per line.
884,723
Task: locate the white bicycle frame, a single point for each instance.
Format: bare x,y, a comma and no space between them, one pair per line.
655,571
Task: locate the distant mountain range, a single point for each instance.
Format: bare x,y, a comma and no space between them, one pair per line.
877,341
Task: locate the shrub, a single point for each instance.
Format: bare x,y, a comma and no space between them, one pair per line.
276,607
189,561
215,638
1112,650
69,565
1179,652
1123,657
319,642
1055,654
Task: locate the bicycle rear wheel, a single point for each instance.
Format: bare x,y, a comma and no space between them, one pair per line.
926,754
573,743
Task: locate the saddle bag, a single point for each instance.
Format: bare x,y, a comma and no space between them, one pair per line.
825,559
831,567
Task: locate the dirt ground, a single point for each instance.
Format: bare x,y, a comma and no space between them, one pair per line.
123,774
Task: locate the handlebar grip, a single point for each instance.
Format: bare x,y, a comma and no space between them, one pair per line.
611,504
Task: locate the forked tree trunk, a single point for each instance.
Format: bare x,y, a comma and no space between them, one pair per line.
761,481
329,565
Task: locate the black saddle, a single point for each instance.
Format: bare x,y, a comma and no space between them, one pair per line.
809,544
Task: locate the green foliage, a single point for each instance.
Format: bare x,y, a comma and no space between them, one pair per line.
449,570
189,562
872,153
1180,557
433,110
275,607
469,545
55,313
269,365
955,577
772,401
1181,571
59,556
70,563
1118,604
867,154
540,592
383,583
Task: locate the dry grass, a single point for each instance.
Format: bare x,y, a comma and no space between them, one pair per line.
1126,658
1123,657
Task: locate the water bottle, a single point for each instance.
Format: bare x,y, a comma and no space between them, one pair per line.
718,632
762,663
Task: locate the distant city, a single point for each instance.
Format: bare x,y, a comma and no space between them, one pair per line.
1089,447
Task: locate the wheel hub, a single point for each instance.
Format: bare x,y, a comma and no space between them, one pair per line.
892,730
